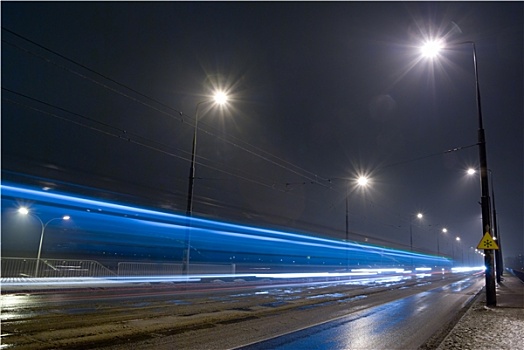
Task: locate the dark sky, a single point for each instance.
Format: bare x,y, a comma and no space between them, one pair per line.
99,98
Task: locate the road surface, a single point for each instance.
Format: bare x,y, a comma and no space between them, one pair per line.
225,315
402,324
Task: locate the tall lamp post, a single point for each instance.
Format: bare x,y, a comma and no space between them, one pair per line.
496,235
219,98
431,49
362,181
419,216
444,230
25,211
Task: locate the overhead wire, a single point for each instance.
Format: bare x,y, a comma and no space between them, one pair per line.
118,133
310,175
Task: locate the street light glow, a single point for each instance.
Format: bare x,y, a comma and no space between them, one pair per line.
471,171
458,238
220,97
420,216
444,230
362,181
23,210
431,48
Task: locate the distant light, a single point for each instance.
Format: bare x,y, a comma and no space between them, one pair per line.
444,230
362,181
420,216
468,269
431,48
471,171
458,238
220,97
66,217
23,210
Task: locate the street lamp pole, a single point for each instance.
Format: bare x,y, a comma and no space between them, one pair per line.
189,210
191,186
25,211
362,181
431,49
219,98
496,235
491,296
419,216
444,230
453,247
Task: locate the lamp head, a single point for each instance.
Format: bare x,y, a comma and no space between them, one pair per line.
362,181
23,210
431,48
220,97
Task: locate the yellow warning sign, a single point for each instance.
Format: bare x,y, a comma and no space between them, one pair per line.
487,242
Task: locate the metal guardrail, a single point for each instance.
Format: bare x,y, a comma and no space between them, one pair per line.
126,269
26,267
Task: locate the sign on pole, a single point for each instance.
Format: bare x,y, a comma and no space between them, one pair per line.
487,242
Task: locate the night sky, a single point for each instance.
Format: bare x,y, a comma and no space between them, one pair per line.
99,99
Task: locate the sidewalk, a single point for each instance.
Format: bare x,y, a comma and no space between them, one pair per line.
500,327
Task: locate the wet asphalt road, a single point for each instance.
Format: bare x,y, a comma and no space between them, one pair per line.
402,324
388,313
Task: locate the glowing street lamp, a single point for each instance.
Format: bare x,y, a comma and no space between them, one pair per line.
25,211
362,181
219,98
444,230
431,50
419,216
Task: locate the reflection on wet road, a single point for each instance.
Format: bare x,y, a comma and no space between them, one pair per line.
402,324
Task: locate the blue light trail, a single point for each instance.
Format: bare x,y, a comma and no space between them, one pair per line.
113,232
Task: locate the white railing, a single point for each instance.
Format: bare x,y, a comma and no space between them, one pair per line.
127,269
26,267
